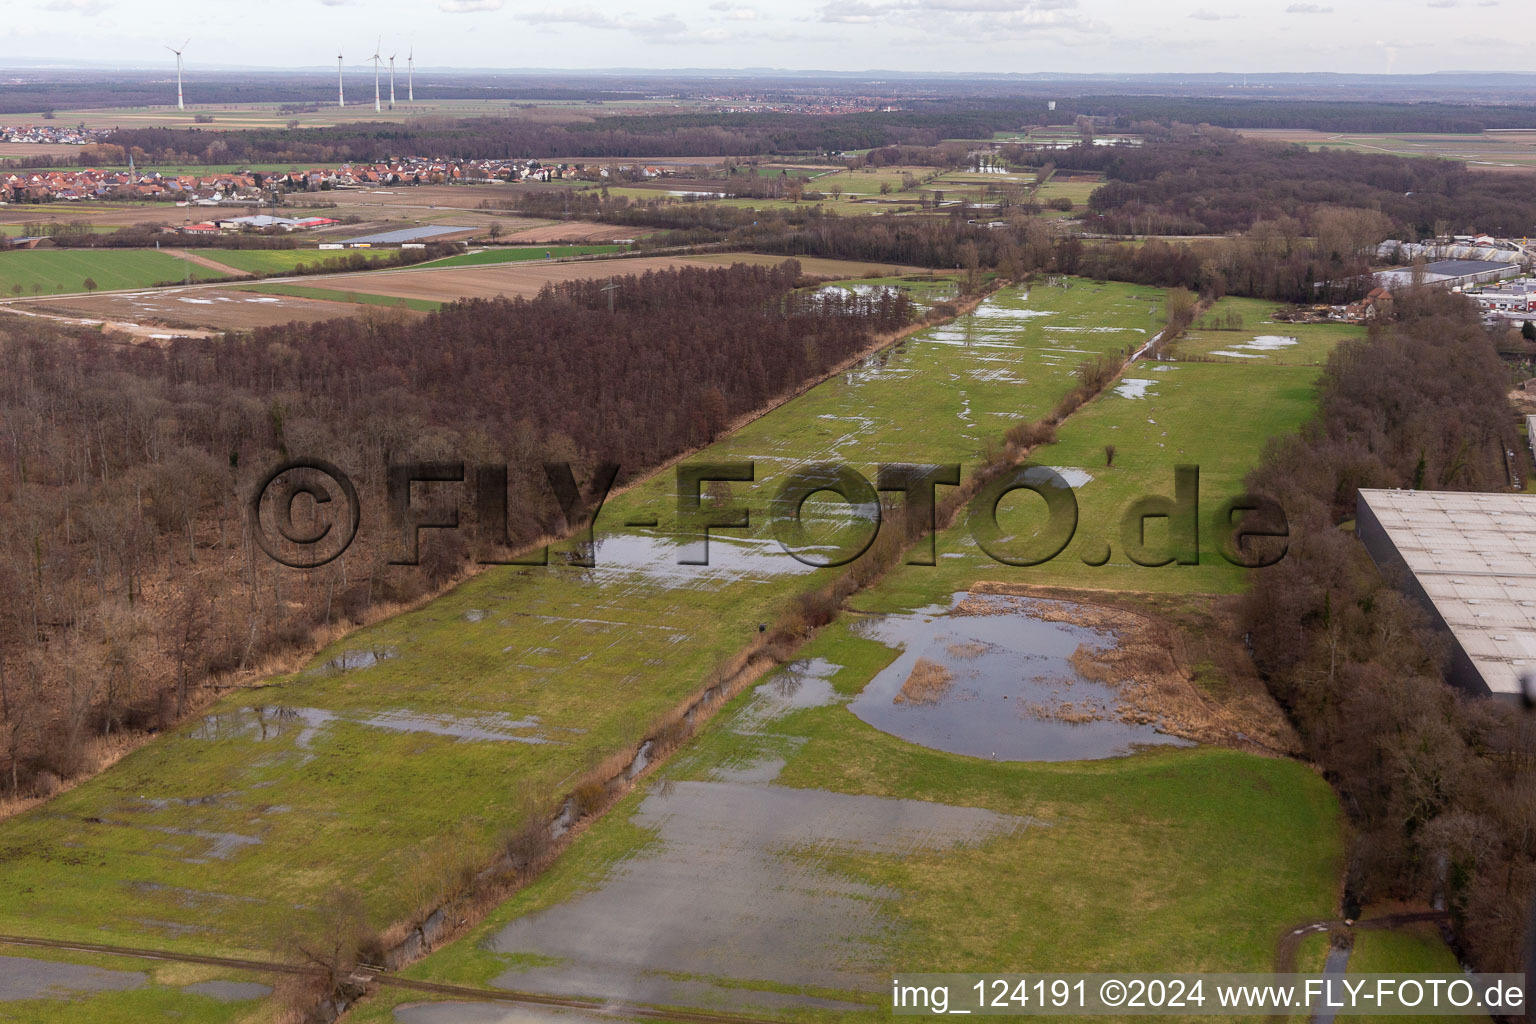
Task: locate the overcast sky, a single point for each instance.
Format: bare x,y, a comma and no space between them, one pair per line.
1374,36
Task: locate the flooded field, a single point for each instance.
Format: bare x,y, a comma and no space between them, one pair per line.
26,978
425,737
1013,694
268,723
732,887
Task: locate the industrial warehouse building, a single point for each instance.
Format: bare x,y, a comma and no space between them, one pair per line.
1470,559
1450,274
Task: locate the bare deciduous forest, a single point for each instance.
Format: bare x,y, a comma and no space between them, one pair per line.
128,574
1437,784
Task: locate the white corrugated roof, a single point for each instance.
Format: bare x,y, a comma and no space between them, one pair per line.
1475,557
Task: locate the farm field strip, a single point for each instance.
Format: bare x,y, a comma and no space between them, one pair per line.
489,281
239,307
209,838
485,257
440,282
282,261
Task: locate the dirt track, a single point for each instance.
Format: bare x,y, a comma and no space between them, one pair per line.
204,261
1290,941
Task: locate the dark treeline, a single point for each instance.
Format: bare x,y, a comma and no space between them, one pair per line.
1319,115
1321,259
128,569
680,135
1225,184
1439,786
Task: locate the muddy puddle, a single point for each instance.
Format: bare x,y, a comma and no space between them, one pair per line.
734,887
999,686
348,661
269,723
621,557
25,978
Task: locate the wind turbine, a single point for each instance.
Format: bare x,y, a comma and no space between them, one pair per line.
341,92
410,75
376,61
391,81
179,104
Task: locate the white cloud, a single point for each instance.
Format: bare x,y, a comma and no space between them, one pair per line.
666,28
1206,15
469,6
855,12
568,16
1004,16
1308,9
1445,3
76,6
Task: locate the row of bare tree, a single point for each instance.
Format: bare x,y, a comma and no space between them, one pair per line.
1440,787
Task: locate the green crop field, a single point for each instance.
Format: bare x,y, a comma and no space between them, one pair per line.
56,271
1058,187
519,253
282,261
867,180
18,230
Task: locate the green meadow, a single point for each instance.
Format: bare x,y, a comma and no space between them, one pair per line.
56,271
332,295
1244,330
